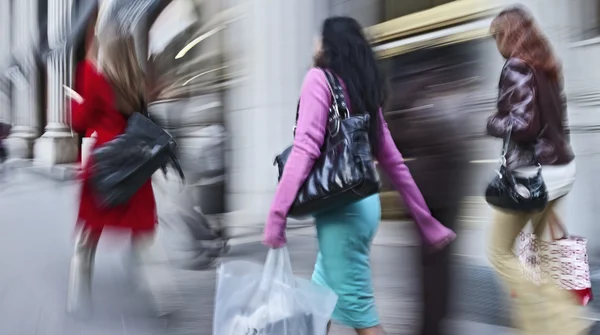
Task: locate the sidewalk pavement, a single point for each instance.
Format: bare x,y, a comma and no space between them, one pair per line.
35,234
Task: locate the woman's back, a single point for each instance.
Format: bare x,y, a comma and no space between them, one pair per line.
532,107
555,136
97,113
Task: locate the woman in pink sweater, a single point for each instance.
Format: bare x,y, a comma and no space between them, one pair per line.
345,234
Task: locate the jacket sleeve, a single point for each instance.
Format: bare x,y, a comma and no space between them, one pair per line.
517,105
565,118
392,163
315,100
84,114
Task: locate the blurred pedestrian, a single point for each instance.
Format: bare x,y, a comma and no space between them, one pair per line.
345,233
112,88
186,99
4,132
429,120
531,105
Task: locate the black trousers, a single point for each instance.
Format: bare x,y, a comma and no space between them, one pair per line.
3,154
436,279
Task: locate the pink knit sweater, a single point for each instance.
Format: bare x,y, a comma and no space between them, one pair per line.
315,100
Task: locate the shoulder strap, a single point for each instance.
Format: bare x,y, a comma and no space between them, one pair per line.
297,116
505,143
506,139
338,101
554,222
337,93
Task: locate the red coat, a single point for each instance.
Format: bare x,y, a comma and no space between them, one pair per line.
97,113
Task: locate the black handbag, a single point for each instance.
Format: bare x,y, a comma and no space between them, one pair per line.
121,166
515,193
345,172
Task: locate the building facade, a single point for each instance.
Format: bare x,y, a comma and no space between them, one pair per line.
271,43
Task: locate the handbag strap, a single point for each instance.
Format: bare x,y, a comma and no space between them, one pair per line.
337,93
505,144
555,222
337,100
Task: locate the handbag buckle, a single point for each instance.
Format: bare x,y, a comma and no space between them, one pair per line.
335,120
522,191
498,173
336,127
503,160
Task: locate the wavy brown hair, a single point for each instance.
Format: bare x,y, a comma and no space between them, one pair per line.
118,62
518,35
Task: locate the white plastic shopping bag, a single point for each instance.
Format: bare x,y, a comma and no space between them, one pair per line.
253,299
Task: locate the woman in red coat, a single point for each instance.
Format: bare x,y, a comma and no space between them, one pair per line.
111,89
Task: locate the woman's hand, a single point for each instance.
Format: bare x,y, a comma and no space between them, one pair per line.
70,93
274,236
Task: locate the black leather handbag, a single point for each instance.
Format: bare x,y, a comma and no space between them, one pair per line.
121,166
345,172
515,193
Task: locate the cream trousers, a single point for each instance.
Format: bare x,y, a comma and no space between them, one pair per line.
545,309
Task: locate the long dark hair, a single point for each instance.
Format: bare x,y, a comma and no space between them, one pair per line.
347,53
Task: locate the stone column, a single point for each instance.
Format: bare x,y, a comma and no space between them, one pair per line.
23,76
5,58
58,145
274,67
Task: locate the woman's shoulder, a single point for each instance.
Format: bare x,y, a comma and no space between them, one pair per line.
518,65
315,85
315,81
516,72
88,74
88,67
315,76
90,71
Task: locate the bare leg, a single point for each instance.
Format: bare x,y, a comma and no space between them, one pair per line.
377,330
80,274
155,279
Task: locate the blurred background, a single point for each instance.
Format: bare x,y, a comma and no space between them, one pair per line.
229,72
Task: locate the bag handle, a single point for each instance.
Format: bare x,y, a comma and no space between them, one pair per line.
555,222
505,143
337,93
278,267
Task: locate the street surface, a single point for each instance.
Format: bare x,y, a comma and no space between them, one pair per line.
37,216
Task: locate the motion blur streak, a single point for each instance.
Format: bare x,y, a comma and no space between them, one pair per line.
223,78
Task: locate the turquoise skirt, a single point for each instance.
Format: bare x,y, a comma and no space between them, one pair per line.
343,263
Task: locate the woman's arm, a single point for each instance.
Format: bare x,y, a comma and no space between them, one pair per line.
517,105
392,163
315,100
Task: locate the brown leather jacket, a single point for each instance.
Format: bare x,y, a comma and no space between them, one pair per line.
536,108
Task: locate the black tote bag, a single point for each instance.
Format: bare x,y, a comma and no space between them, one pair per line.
121,166
345,172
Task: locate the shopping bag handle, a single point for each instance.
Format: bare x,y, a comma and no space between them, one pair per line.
555,222
278,267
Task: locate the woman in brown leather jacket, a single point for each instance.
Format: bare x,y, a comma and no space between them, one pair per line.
531,101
